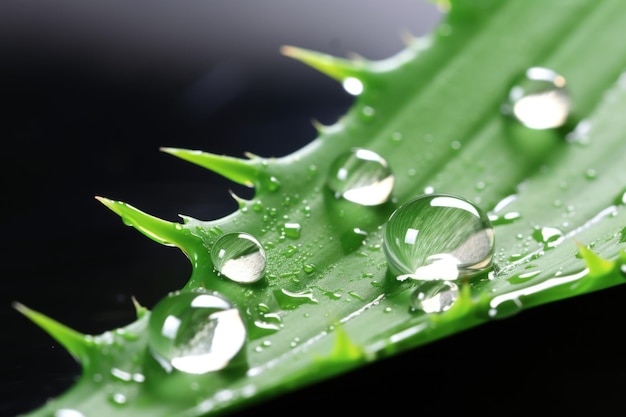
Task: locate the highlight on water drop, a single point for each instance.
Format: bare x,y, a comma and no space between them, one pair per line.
438,237
196,332
361,176
239,257
540,100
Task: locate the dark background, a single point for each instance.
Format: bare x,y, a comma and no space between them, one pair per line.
90,91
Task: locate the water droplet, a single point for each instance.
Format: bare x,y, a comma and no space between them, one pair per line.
291,230
273,184
504,306
434,296
118,398
367,113
353,86
438,236
396,137
361,176
540,100
195,332
506,218
239,256
549,236
591,174
290,300
68,412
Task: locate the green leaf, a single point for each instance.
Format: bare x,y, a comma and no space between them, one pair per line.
327,304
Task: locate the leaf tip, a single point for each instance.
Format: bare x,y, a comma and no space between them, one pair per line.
597,265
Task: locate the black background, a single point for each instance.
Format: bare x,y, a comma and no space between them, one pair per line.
90,91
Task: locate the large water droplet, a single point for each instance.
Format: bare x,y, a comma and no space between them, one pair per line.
195,332
239,256
438,237
434,296
540,100
361,176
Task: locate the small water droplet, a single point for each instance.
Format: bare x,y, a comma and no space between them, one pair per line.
396,137
591,174
434,296
239,257
291,250
504,306
195,332
291,230
118,398
361,176
68,412
549,236
540,100
438,236
353,86
273,184
289,300
367,113
506,218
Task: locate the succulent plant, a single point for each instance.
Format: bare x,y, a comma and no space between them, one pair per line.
479,173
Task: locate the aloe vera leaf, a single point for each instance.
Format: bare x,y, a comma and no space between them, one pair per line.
442,96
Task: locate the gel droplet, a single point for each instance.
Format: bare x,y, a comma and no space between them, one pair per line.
195,332
239,257
361,176
434,296
540,100
438,237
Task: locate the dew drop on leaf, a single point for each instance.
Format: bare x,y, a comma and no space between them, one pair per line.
540,100
361,176
353,86
68,412
118,398
291,230
438,237
239,257
195,332
549,236
434,296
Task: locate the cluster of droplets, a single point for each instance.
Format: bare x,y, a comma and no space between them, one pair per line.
436,240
